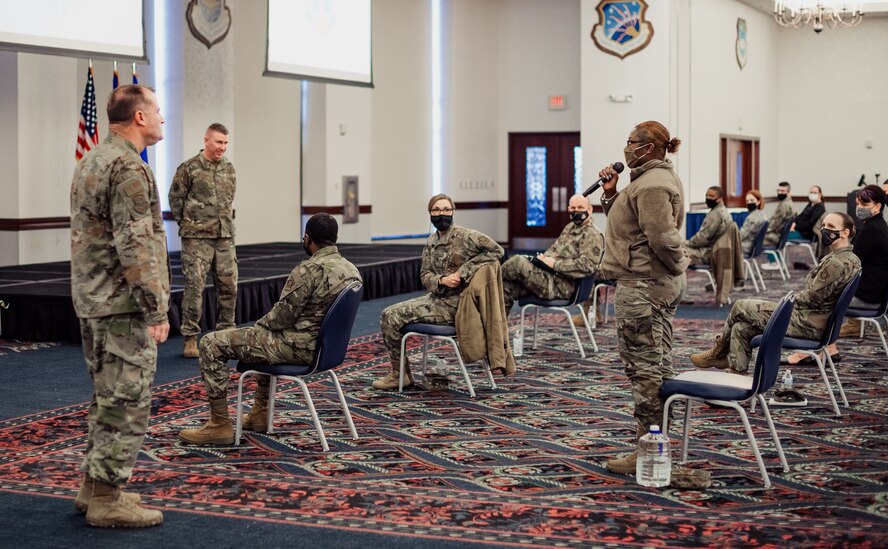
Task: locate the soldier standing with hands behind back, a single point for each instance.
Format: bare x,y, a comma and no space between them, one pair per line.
201,200
120,285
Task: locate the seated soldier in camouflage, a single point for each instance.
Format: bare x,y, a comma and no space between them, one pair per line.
814,303
717,221
286,334
450,257
575,254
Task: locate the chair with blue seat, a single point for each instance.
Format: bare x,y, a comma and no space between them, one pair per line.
813,347
778,252
874,316
600,284
728,390
581,292
332,344
749,259
441,332
807,243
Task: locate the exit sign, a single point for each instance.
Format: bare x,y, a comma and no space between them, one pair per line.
556,103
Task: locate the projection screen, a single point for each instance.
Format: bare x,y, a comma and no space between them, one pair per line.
320,40
109,29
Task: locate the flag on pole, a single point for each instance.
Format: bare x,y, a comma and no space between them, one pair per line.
136,81
116,80
88,132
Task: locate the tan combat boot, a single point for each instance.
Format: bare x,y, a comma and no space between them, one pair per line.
578,319
851,328
717,357
625,464
190,348
108,508
217,431
257,419
81,502
390,380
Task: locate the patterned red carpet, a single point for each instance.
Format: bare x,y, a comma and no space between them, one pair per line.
520,465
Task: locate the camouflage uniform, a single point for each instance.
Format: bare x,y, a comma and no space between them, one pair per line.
644,254
814,304
120,285
577,254
456,250
751,226
289,331
699,246
781,216
200,201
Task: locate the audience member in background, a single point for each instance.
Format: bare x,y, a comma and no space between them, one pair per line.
201,198
574,255
814,303
885,187
803,226
643,252
450,257
287,333
754,220
781,216
716,222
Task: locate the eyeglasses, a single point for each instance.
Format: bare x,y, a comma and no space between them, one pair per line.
630,142
442,211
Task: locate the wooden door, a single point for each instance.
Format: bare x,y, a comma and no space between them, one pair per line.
739,168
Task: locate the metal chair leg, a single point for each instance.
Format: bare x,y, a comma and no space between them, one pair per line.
313,412
345,411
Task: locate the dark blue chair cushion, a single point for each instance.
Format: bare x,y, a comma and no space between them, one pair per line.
792,343
702,390
863,313
430,329
534,300
698,267
275,369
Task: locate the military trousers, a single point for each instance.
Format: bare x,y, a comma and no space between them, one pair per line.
121,358
699,256
428,309
645,310
521,278
199,257
253,344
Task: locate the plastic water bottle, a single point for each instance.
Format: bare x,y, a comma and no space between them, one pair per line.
787,380
440,368
654,464
517,345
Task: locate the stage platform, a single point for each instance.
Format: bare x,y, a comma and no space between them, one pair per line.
39,296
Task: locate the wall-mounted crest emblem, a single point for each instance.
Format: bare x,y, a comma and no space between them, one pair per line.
740,45
209,20
621,29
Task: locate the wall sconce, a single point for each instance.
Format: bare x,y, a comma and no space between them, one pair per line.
621,98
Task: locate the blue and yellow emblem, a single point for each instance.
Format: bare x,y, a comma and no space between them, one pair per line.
621,29
740,44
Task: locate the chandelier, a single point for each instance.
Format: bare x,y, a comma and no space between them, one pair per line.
798,13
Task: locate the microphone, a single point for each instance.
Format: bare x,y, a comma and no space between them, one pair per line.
618,167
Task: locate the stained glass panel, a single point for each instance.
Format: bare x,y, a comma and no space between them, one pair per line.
536,185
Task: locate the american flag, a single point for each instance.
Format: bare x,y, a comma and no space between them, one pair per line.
88,133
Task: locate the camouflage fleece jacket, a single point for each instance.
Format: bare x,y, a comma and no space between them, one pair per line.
201,198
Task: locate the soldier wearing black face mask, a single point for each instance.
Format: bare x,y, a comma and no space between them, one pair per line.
574,255
782,215
717,221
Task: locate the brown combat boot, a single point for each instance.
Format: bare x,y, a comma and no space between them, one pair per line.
108,508
81,502
190,348
390,381
626,463
257,419
851,328
717,357
217,431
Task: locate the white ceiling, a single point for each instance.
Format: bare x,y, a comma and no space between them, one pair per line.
877,8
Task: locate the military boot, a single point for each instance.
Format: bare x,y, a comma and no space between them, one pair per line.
190,348
81,502
851,328
390,381
578,319
625,464
257,419
110,508
217,431
717,357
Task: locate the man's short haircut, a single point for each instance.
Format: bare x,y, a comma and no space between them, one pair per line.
785,184
322,229
217,127
719,193
125,101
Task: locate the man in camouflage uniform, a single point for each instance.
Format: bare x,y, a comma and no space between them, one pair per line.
574,255
200,201
450,257
782,215
288,333
716,222
814,303
120,285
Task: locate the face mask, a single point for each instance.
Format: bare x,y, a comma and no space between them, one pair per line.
752,206
711,203
305,247
442,222
863,213
632,157
813,197
781,197
578,217
828,236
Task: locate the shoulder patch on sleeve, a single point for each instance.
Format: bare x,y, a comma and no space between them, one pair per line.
135,192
